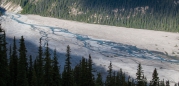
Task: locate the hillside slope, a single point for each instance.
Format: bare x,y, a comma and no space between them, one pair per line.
10,7
144,14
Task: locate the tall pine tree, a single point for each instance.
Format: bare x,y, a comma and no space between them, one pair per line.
109,76
56,72
30,71
34,78
139,75
168,83
13,65
47,68
34,75
22,65
99,81
4,70
67,73
84,72
76,74
39,66
155,78
162,83
90,74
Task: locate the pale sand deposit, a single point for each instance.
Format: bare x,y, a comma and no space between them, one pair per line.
165,42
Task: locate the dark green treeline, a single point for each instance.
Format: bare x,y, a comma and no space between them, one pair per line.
144,14
18,69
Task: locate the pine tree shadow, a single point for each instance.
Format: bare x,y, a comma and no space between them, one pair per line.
32,49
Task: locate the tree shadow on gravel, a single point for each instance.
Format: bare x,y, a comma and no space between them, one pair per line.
33,50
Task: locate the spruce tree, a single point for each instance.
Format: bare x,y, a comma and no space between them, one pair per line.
124,83
77,75
144,81
34,78
67,73
90,74
109,76
47,68
129,81
30,71
35,65
34,74
13,64
22,65
83,72
168,83
39,66
99,81
120,78
155,78
139,75
162,83
10,67
56,72
114,78
4,70
10,52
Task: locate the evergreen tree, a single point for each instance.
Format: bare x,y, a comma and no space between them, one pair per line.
129,81
109,76
13,64
114,79
77,75
30,72
67,73
56,72
168,83
22,65
48,80
90,74
155,78
34,74
120,78
144,80
34,78
99,81
10,53
162,83
39,66
4,70
84,72
35,65
139,75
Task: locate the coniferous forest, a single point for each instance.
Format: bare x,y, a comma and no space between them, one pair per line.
19,69
144,14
